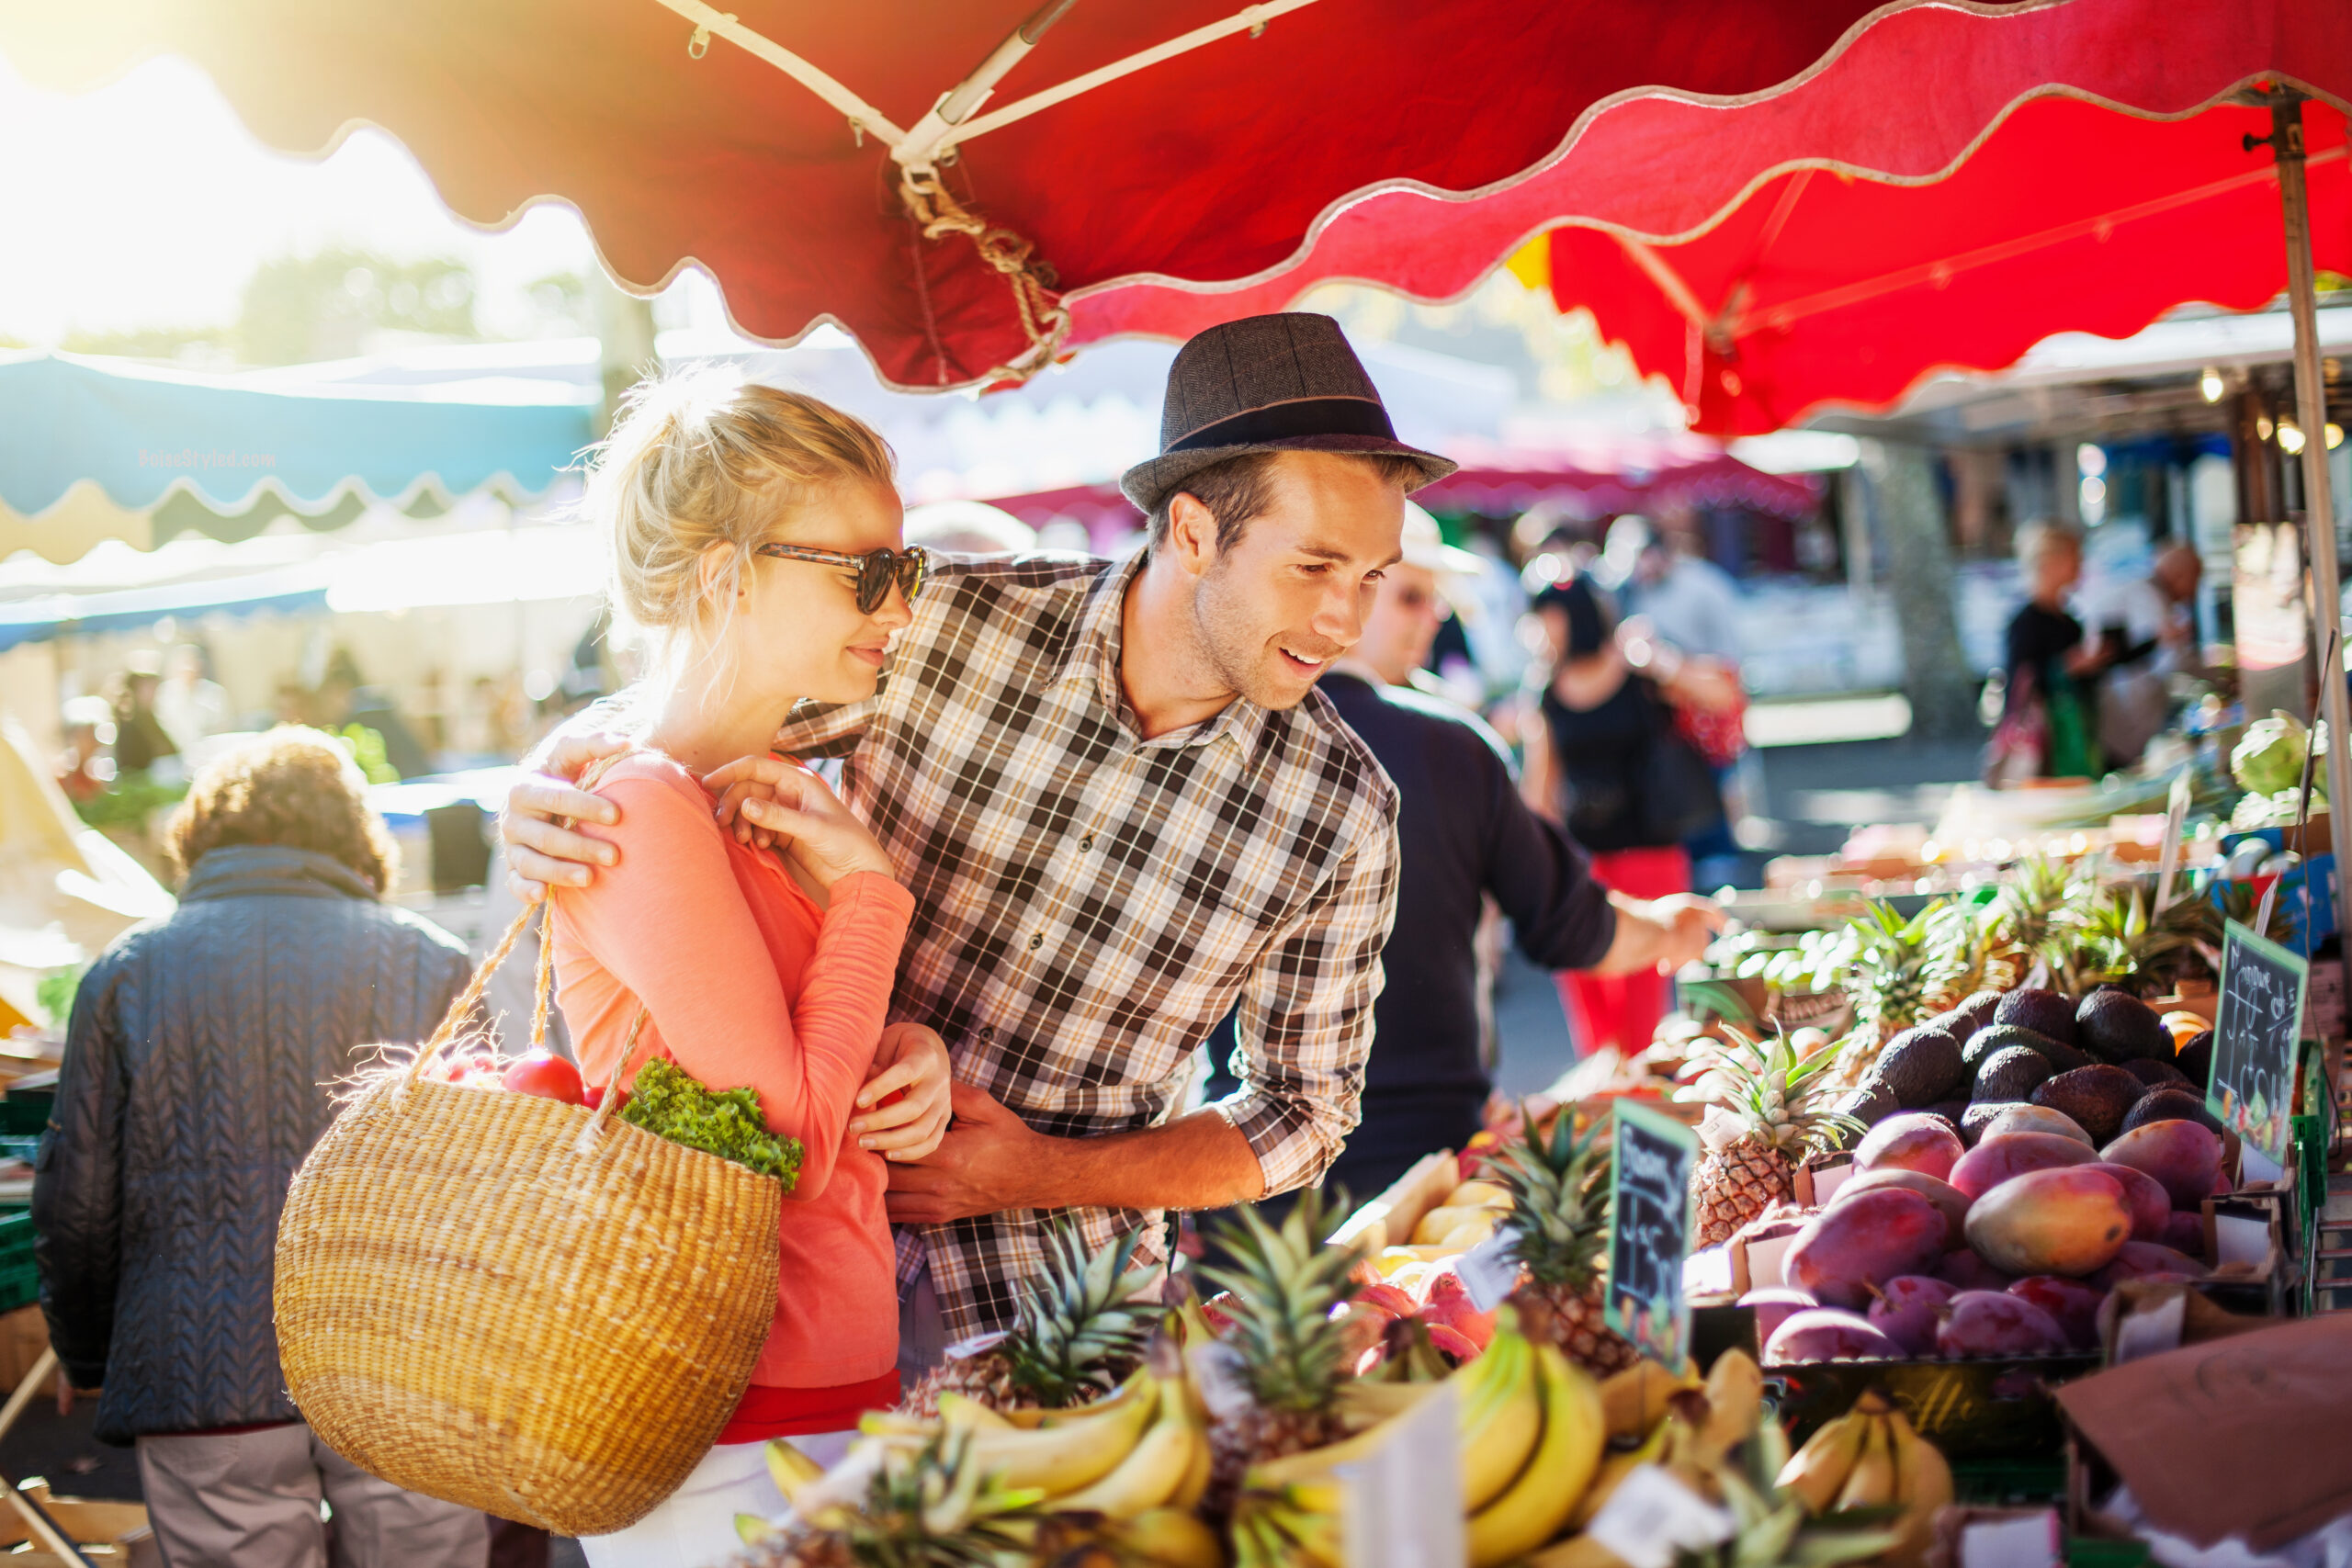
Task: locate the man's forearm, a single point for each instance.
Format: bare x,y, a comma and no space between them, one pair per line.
1638,942
1200,1161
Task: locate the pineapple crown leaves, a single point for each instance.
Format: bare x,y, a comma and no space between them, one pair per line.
1285,1283
1781,1098
1560,1201
1891,964
932,1507
1078,1327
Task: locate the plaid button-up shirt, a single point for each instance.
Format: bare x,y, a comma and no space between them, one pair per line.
1089,904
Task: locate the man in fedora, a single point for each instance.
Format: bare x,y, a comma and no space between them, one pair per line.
1124,810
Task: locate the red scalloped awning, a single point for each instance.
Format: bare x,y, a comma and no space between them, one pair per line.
1824,291
1213,165
1936,131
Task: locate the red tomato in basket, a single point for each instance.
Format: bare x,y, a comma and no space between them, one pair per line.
547,1075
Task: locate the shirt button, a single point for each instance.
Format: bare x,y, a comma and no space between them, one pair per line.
990,1032
1087,842
1036,941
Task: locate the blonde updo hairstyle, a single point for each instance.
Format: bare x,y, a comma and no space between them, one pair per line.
702,468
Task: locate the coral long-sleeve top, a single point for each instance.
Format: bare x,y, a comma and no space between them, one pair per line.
747,984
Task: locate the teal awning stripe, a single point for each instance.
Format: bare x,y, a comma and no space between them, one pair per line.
138,433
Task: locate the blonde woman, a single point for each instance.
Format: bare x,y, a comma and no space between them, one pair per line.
755,540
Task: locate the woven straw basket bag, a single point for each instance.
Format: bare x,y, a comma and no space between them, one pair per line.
516,1304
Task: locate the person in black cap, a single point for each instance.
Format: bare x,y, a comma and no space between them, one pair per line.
1124,810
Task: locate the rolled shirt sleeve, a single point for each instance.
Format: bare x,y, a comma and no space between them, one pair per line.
1305,1022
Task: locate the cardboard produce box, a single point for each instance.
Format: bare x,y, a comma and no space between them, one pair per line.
2242,1435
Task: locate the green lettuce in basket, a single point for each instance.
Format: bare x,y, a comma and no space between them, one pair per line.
669,1104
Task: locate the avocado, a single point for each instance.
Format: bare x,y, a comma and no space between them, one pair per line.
1870,1104
2061,1056
1976,1118
1977,1013
2196,1059
1952,1110
2171,1105
1919,1067
2115,1026
2155,1074
2097,1097
2010,1074
2049,1013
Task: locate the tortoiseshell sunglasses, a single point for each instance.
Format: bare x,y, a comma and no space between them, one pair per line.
876,569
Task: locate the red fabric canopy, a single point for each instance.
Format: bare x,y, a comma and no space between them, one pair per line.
1905,100
1213,165
2072,218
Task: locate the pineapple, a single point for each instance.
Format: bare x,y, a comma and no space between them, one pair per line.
2019,921
923,1508
1559,1206
1077,1334
1775,1111
2111,937
1901,971
1287,1349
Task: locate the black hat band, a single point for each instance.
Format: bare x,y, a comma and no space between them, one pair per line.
1289,421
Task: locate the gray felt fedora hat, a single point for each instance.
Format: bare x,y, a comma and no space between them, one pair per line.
1286,383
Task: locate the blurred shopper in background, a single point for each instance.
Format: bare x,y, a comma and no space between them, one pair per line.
140,741
1670,592
2147,630
1607,758
86,769
2049,717
199,1069
189,704
1463,836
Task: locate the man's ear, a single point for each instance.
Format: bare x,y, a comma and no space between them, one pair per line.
1191,533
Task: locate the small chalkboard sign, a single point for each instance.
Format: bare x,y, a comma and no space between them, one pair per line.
1651,1161
2256,1031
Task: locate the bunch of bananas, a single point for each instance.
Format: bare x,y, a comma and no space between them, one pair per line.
1870,1458
1532,1431
1127,1469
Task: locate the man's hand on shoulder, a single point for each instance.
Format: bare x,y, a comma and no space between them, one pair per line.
541,850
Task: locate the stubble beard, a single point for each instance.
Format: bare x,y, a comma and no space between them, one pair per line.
1238,659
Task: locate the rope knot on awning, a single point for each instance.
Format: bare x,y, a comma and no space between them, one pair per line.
1035,293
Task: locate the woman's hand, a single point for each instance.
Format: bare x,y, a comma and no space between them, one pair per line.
770,801
913,1058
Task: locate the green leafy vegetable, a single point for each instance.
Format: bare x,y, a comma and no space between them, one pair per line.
669,1104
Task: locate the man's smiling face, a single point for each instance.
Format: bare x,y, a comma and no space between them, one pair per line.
1291,594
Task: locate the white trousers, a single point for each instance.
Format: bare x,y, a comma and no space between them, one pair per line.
695,1524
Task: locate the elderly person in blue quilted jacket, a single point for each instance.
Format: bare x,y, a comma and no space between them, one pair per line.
199,1068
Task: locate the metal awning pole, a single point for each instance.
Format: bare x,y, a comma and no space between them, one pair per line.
2319,505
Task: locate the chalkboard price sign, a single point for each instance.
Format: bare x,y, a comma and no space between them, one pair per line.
2256,1031
1652,1158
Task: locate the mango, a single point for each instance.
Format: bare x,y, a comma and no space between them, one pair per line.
2070,1222
2184,1157
1914,1142
1865,1241
1908,1308
2146,1261
1990,1322
1828,1334
2151,1204
2072,1304
1942,1194
2000,1155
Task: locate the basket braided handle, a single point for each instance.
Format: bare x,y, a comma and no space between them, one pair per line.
542,988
